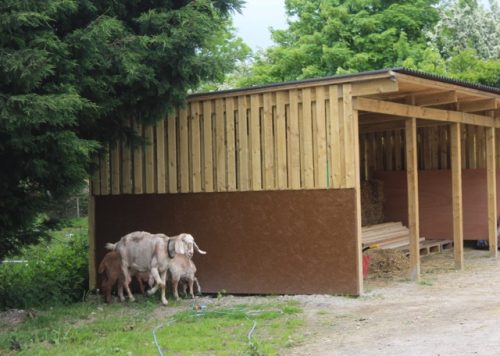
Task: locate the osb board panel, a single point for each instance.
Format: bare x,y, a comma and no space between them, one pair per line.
435,202
257,242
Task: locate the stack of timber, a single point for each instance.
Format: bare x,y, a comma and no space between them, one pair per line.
387,235
394,235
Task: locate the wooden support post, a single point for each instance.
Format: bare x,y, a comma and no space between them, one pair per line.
412,181
456,179
357,185
492,191
91,239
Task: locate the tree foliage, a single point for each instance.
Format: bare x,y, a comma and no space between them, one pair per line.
72,72
466,25
329,37
456,38
466,40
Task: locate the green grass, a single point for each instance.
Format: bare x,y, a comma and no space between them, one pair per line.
90,328
425,282
71,226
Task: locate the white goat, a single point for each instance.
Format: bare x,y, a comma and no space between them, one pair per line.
142,251
182,267
181,245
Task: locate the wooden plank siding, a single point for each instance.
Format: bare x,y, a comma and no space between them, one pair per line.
384,151
300,137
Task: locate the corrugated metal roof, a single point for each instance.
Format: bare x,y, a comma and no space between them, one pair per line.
441,78
402,70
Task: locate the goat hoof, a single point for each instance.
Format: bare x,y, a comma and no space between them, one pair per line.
164,302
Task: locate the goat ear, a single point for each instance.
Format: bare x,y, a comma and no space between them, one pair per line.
179,246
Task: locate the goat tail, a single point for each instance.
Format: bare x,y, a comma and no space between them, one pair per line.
110,246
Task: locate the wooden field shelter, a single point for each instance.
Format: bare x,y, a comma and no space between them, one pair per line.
267,179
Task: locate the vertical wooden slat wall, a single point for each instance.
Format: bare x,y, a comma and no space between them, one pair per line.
301,138
160,157
385,150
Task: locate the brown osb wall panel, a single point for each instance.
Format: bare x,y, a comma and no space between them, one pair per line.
257,242
435,202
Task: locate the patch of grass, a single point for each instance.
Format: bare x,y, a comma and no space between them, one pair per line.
226,330
90,328
425,282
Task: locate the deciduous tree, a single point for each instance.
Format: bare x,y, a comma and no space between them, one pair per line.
328,37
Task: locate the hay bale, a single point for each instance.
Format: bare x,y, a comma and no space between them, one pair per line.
387,263
372,202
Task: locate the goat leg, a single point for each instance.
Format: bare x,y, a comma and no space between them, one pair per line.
197,285
120,289
175,284
163,286
141,285
191,288
127,281
106,286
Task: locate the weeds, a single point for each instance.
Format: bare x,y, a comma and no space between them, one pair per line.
55,272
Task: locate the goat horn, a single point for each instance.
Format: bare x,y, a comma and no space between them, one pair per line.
198,249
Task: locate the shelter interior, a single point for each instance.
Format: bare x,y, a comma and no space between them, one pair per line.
430,141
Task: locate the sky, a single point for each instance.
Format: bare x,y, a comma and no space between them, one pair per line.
256,18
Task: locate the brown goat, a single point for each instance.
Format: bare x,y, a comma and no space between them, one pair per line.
111,267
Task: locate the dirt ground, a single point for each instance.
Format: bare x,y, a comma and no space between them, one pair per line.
446,313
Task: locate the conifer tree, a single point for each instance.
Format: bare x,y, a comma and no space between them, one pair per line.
72,72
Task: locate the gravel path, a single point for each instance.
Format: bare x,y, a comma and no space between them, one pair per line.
447,313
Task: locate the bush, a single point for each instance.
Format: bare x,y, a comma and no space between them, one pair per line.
55,273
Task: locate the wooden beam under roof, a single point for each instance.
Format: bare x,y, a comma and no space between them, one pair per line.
371,118
439,98
390,108
396,123
377,86
477,105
